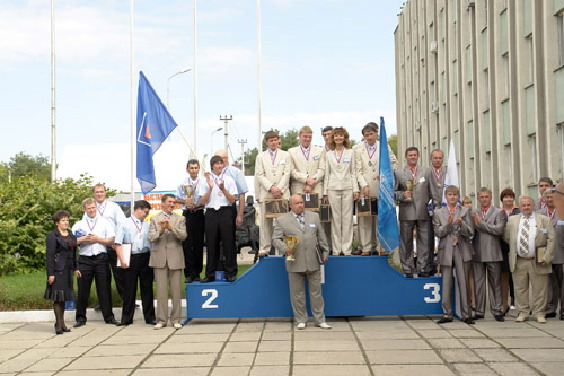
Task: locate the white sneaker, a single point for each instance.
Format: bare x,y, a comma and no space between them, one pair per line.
177,326
324,325
158,326
302,326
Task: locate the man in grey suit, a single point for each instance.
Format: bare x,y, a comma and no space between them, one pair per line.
413,213
304,225
454,228
167,232
554,290
489,223
558,261
531,240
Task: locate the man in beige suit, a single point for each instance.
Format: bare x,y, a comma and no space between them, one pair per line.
531,240
272,171
489,223
167,232
306,227
367,156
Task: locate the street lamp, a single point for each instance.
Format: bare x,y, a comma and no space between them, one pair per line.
168,84
211,140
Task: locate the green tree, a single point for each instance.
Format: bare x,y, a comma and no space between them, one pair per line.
23,164
393,143
289,140
26,206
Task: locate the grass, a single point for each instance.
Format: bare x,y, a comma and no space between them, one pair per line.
20,292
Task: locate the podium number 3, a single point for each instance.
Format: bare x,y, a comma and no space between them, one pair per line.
213,294
435,295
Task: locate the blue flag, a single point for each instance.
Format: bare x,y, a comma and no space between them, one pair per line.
154,124
388,233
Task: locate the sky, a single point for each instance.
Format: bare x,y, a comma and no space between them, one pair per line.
324,62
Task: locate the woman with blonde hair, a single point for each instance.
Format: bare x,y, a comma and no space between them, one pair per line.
340,189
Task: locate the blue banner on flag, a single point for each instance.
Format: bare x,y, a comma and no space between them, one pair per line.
154,124
388,232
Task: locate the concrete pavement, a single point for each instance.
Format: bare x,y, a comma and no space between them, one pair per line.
355,346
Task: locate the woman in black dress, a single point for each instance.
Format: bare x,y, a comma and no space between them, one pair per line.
61,263
507,198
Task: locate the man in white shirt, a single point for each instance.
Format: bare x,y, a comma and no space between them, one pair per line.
94,234
193,211
272,171
114,215
218,195
133,233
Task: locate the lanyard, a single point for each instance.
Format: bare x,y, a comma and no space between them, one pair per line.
437,175
101,212
340,157
484,213
413,173
91,227
139,228
368,148
273,155
306,155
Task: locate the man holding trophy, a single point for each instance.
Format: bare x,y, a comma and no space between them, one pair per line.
193,247
299,235
415,191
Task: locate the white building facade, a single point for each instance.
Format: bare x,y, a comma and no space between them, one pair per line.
488,74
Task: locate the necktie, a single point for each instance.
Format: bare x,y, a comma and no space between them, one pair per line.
167,215
523,250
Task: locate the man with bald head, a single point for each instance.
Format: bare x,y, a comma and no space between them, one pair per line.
306,227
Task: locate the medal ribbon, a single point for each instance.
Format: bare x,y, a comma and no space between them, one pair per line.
272,155
437,175
139,229
413,172
368,148
91,227
340,157
306,155
484,212
98,208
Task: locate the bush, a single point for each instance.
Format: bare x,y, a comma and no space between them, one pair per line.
26,207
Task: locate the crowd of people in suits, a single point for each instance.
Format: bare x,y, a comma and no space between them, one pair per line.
509,247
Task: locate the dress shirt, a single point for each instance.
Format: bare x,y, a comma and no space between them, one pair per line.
217,198
98,226
532,234
111,211
372,150
239,178
300,218
181,195
134,232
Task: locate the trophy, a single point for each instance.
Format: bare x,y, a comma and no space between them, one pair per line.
188,190
409,185
291,242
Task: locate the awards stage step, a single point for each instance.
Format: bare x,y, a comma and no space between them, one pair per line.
354,286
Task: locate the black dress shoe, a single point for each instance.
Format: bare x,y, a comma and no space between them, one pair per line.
444,320
499,318
469,321
356,253
551,314
196,279
78,324
477,317
124,323
151,322
207,279
189,280
562,317
66,330
111,322
408,275
424,275
231,279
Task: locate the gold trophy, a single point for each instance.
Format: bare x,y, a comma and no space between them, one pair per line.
188,190
291,242
409,183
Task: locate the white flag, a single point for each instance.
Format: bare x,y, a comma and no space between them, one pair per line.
452,170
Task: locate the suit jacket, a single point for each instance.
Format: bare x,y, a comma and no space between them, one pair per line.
558,224
167,249
439,189
511,233
368,169
58,253
487,247
446,234
268,174
305,252
423,191
336,180
537,204
303,168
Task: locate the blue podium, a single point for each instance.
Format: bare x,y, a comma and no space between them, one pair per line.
354,286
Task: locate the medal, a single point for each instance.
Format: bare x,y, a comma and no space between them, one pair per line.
370,163
339,168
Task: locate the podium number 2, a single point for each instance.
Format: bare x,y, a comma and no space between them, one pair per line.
435,295
213,294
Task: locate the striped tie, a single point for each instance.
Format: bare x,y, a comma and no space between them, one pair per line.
524,238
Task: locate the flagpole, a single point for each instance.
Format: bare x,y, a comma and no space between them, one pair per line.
132,103
53,126
195,82
259,82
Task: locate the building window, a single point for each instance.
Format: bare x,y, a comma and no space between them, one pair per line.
560,38
505,68
532,141
470,139
526,15
531,58
486,132
504,32
560,132
469,64
529,116
454,75
506,122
